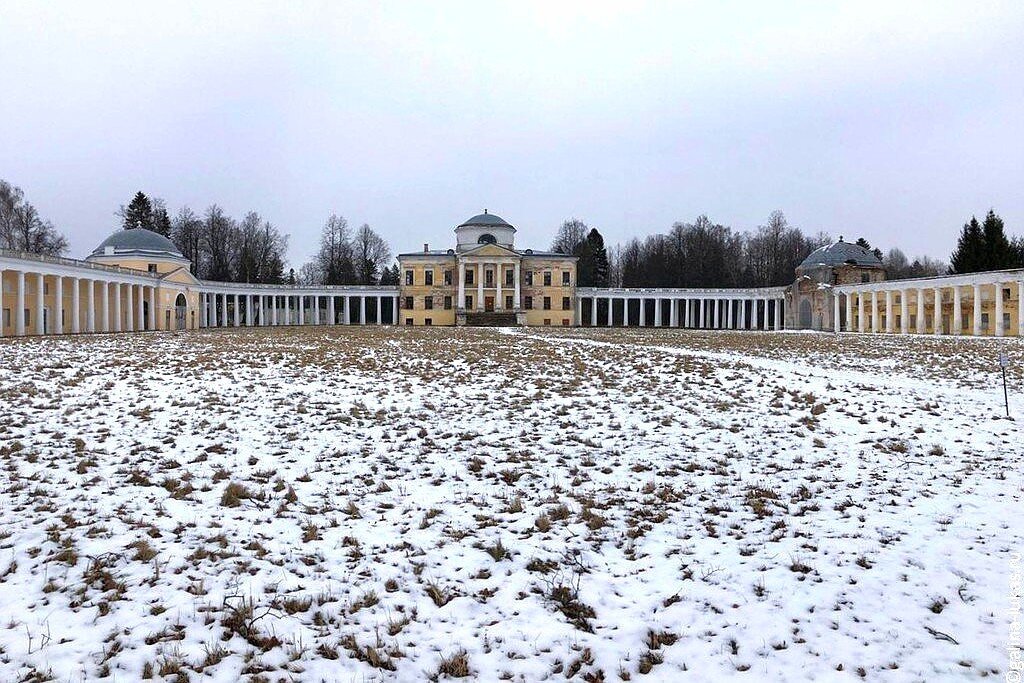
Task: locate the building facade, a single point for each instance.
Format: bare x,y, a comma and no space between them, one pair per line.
137,280
485,280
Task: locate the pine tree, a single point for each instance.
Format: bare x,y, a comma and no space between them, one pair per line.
139,213
162,222
599,259
999,252
969,256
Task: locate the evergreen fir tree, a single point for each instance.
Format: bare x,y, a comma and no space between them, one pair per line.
600,267
969,256
139,213
161,222
999,252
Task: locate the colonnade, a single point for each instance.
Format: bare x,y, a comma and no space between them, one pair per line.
280,308
982,304
53,301
691,309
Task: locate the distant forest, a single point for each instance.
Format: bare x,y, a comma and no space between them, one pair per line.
700,253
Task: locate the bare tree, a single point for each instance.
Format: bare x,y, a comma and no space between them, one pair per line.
570,237
372,255
187,234
21,227
219,231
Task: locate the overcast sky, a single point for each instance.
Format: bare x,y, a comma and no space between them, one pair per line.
891,120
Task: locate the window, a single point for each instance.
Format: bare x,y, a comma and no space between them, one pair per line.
408,278
547,303
408,322
408,303
5,321
565,278
984,321
428,321
488,278
508,301
547,278
565,303
448,278
428,303
528,303
428,277
151,267
529,278
469,301
565,322
510,275
486,238
469,276
447,303
547,321
865,277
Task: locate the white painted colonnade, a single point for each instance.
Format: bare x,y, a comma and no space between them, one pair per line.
732,309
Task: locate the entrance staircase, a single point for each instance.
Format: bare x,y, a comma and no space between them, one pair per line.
490,319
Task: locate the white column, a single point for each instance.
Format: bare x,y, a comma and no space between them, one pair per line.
780,319
380,310
890,314
516,300
141,309
861,322
129,302
642,312
876,322
958,320
755,313
152,309
273,310
920,311
76,306
58,305
625,312
743,314
1020,308
715,313
657,312
498,303
248,310
394,310
346,317
609,312
673,313
593,311
701,319
479,286
461,303
19,312
849,312
836,321
904,311
977,311
299,311
235,318
1000,330
90,304
362,310
937,313
106,305
330,309
117,307
40,303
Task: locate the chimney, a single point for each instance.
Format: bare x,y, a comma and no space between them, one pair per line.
426,247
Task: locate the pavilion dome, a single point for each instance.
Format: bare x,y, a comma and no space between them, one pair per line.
839,254
137,242
484,228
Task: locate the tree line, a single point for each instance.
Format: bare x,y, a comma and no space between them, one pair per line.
985,246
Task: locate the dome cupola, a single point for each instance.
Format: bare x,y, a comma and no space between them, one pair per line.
484,228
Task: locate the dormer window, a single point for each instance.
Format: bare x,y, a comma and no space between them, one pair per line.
151,267
487,238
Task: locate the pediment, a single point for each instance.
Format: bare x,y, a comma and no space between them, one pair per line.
181,275
490,250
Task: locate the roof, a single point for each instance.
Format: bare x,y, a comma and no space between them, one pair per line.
486,220
138,240
841,253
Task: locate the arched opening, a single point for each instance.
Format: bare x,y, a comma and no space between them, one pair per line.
180,306
487,238
805,314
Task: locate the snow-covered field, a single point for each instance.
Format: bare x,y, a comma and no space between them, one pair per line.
352,504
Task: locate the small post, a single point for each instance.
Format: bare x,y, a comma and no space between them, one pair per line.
1003,362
